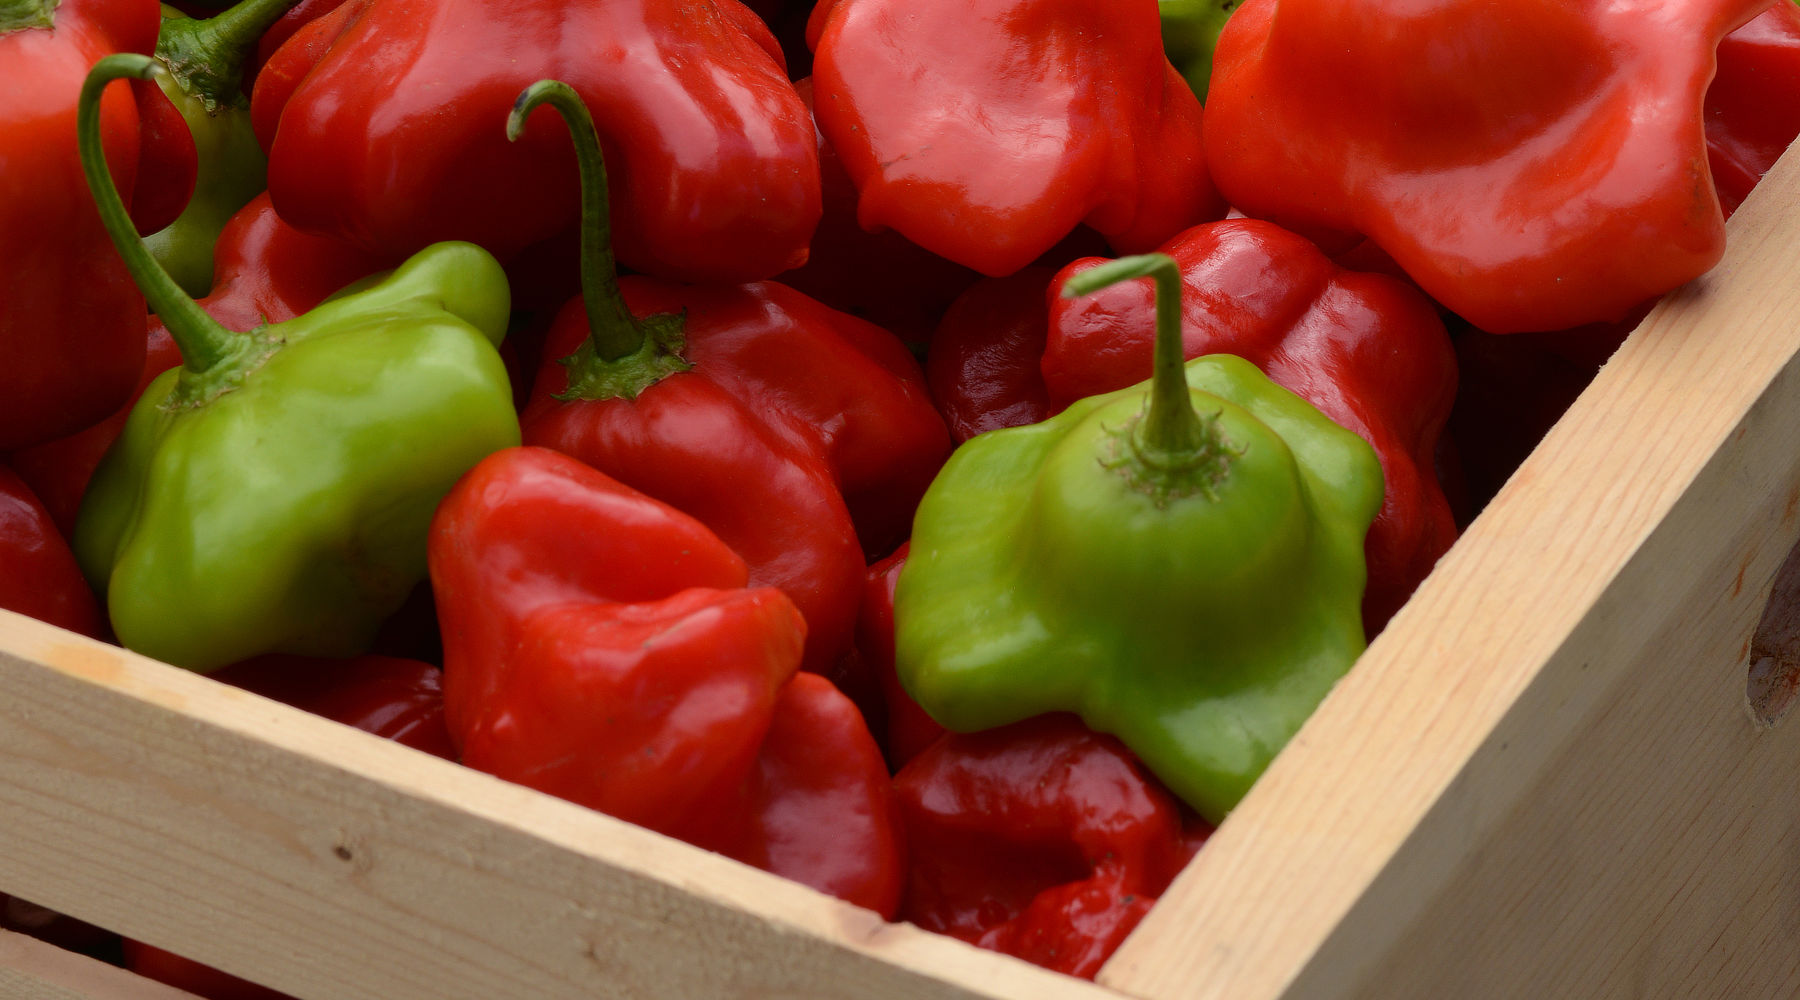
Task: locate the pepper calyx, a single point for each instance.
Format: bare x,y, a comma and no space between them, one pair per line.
657,357
206,56
19,15
1164,474
249,351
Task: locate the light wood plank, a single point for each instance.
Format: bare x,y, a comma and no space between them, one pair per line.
337,866
33,970
1542,780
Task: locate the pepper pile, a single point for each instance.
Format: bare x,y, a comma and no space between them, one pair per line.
731,417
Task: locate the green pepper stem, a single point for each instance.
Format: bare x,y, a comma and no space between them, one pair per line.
1172,427
203,342
612,330
16,15
207,56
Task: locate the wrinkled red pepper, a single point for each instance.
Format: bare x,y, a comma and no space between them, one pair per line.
604,647
1544,168
984,364
1041,839
72,329
1753,102
392,139
908,730
801,435
987,131
264,271
38,573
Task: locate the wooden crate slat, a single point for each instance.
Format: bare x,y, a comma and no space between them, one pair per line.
33,970
335,866
1465,815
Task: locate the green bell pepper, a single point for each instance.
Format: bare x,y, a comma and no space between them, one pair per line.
273,494
1180,563
1190,32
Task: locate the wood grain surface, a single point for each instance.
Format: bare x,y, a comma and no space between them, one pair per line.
33,970
334,865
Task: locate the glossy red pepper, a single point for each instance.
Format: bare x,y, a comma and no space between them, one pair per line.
1753,102
1041,839
391,140
394,698
984,364
38,573
907,729
790,429
264,271
818,807
604,647
879,276
987,131
1547,169
72,330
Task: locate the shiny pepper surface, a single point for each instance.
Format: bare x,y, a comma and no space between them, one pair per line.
1042,839
389,141
987,131
801,435
273,494
1533,166
72,325
1368,350
605,647
264,271
1184,573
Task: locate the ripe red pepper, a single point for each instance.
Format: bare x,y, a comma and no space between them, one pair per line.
38,573
987,131
1753,102
908,728
72,327
1041,839
392,697
790,429
1545,169
604,647
391,140
264,271
984,365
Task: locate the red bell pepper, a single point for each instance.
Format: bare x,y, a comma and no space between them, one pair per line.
790,429
264,271
879,276
1041,839
1545,169
987,131
72,328
604,647
1753,102
38,573
391,140
984,365
394,698
908,729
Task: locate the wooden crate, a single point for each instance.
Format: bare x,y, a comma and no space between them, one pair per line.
1550,777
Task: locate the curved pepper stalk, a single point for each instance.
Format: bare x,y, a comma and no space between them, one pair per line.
1180,563
273,493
